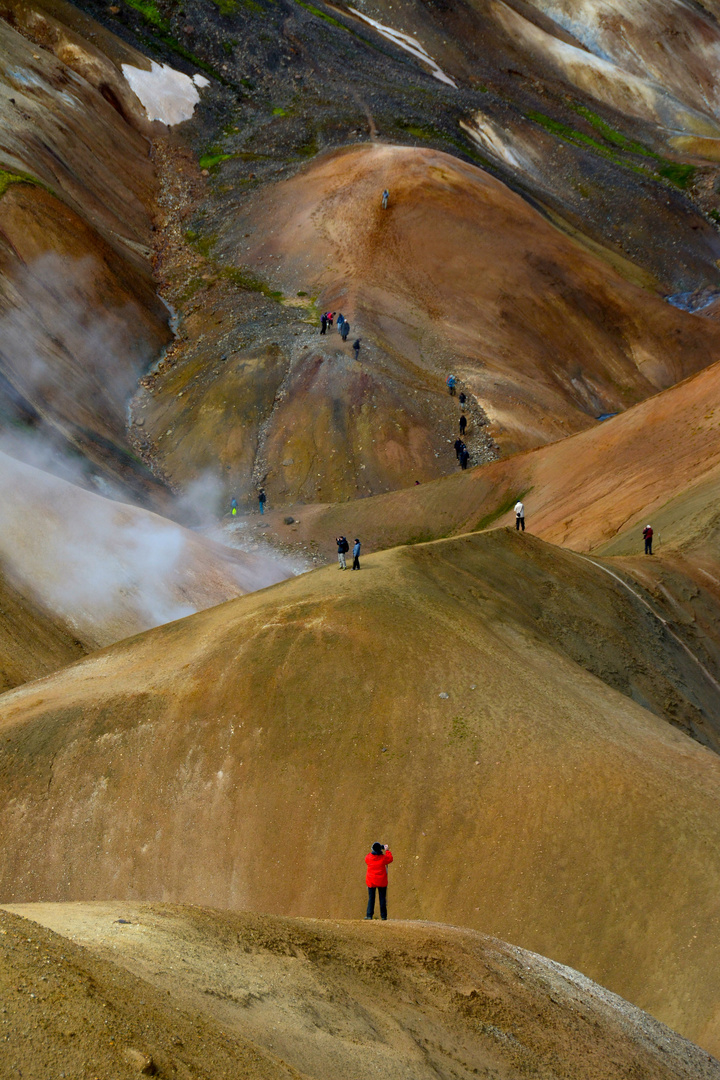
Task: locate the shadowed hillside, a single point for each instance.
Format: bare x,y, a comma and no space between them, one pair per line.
529,799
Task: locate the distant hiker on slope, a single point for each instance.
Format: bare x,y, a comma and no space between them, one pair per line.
356,554
376,877
262,499
463,423
345,330
233,507
464,457
340,321
356,348
330,315
462,399
450,383
459,445
323,324
647,537
519,516
385,199
343,548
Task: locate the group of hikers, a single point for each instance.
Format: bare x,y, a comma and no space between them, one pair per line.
343,547
461,451
328,318
262,499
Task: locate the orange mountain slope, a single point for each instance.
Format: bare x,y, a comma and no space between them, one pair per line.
458,275
429,701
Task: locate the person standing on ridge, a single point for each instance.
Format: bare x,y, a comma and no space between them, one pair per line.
450,383
519,516
459,445
356,554
463,423
356,348
647,537
464,457
233,506
343,548
345,330
262,499
385,199
378,860
323,324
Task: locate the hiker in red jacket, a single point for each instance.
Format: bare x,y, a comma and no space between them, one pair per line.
376,878
647,537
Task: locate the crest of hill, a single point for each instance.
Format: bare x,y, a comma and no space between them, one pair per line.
422,701
269,996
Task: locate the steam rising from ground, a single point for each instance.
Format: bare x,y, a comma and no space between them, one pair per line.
107,568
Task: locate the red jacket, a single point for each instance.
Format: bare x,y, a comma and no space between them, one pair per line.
377,869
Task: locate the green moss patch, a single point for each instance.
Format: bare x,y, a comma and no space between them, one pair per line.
212,158
7,179
617,147
245,279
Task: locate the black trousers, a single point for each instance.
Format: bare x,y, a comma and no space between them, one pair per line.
520,523
648,546
382,891
356,562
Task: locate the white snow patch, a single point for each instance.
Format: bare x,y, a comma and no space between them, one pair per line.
166,94
409,44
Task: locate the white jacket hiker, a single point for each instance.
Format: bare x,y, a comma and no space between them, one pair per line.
519,516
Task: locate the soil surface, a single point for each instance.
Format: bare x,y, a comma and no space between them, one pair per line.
203,993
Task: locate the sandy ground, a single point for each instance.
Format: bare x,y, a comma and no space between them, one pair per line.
266,996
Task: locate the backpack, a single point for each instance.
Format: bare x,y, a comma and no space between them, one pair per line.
344,547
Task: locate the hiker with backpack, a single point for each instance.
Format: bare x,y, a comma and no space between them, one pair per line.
450,383
262,499
340,321
385,199
464,457
376,878
459,445
463,423
345,330
356,348
323,324
519,516
343,547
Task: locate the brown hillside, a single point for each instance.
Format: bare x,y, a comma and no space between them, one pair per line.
459,275
32,641
580,492
413,1001
533,802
